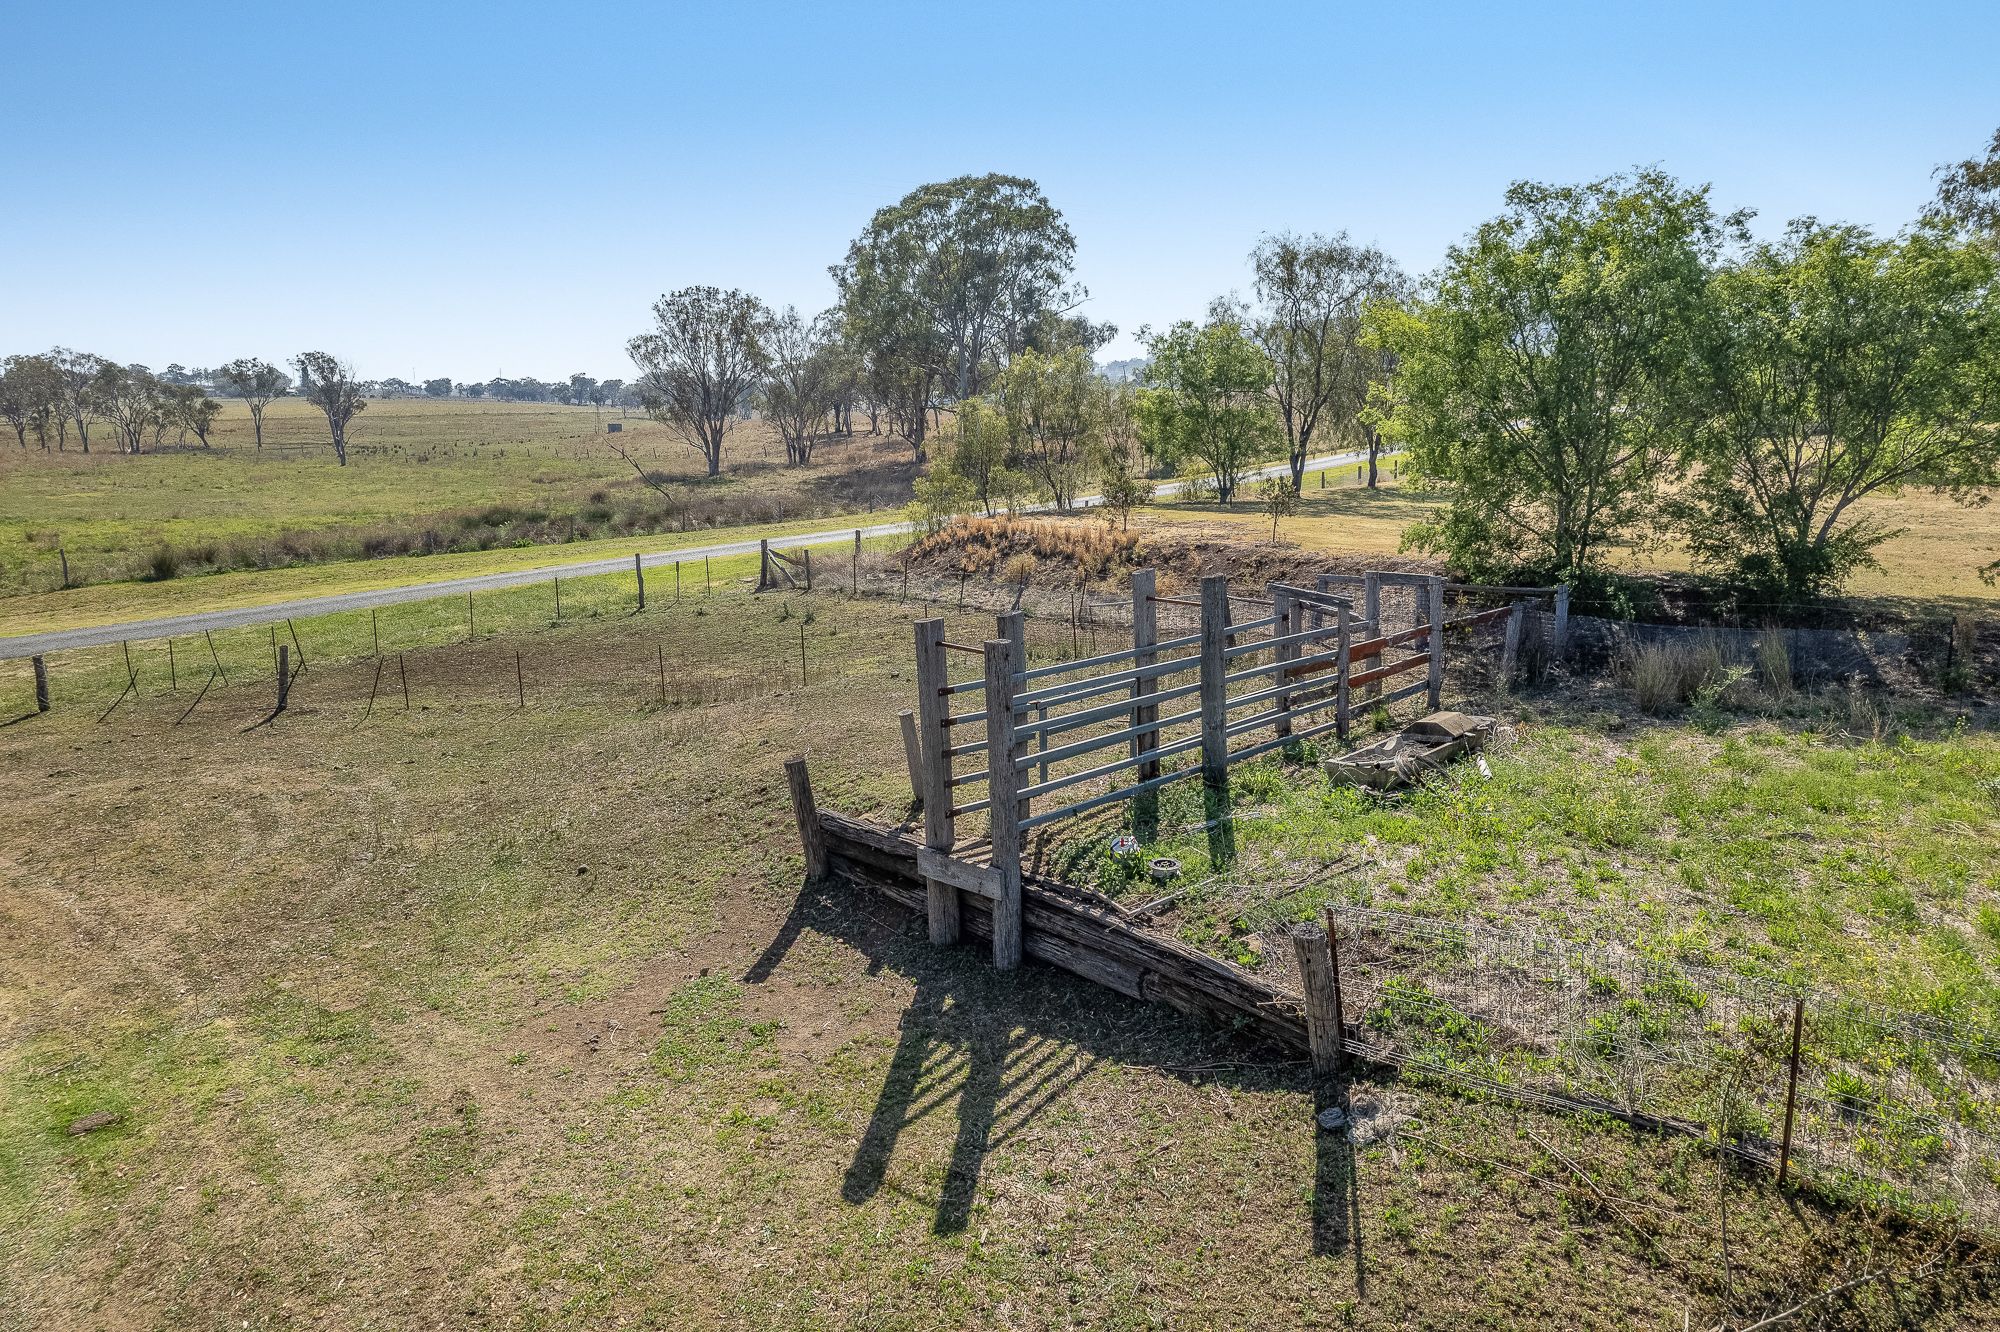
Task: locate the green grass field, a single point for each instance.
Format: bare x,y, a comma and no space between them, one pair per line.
483,1014
415,464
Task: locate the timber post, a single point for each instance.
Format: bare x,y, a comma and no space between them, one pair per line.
1510,646
1003,814
284,675
1013,626
1285,609
763,563
933,709
1371,614
812,835
41,685
1319,983
913,754
639,573
1214,689
1343,702
1145,633
1434,599
1561,631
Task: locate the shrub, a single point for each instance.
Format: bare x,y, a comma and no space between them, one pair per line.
164,564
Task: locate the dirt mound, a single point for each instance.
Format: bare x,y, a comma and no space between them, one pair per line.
1055,550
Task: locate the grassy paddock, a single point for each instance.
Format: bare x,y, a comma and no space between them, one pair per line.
1937,555
480,1015
468,472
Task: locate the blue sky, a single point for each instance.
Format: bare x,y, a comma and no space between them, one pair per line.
498,188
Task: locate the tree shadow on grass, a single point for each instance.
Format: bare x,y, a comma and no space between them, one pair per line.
1001,1049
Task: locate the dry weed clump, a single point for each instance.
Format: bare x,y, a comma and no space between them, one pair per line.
992,547
1663,676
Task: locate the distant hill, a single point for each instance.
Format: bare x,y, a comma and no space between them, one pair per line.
1119,372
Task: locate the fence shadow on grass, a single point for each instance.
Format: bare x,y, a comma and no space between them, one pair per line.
1000,1050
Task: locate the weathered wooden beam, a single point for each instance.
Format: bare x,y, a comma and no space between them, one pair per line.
1214,687
946,868
913,754
1325,1036
41,685
933,713
1436,641
1003,813
812,833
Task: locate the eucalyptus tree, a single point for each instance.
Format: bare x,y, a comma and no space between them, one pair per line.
1312,293
1540,380
1968,194
328,383
699,364
1053,406
257,383
943,287
76,390
30,394
804,377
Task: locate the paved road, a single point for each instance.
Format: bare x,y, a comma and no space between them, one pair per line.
28,645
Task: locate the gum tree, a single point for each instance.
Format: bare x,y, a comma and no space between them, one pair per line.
328,383
699,364
1207,396
257,382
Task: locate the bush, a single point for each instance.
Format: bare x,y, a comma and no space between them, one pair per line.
164,564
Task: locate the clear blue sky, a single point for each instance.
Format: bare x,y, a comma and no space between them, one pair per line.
475,189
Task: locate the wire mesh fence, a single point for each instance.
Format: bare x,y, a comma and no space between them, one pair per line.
1877,1104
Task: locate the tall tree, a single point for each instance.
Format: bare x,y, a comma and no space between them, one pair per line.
76,383
1311,292
1969,193
802,380
191,409
1838,365
1208,396
945,285
699,364
257,383
1054,412
132,399
328,383
1539,381
29,396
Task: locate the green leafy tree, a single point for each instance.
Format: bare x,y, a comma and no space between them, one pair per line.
1540,382
803,380
944,286
1207,397
1054,413
699,364
257,383
982,453
1837,366
191,409
1311,292
328,383
941,496
1969,194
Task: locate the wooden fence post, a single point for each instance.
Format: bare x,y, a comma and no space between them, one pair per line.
1284,608
1436,640
933,707
284,675
1003,782
1214,691
1320,986
913,754
854,576
1145,633
807,555
639,573
1371,615
1561,631
1013,626
41,685
1343,701
812,837
1510,646
763,564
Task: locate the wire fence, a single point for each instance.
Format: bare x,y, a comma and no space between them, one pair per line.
1876,1104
